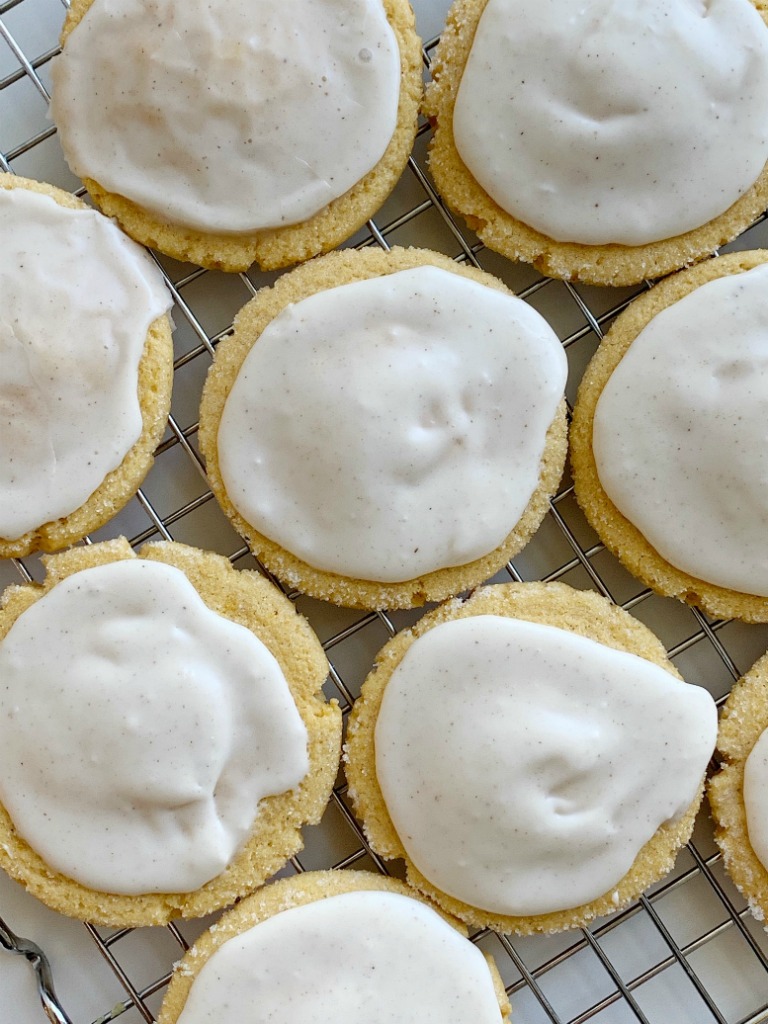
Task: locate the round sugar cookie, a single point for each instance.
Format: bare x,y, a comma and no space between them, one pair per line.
228,134
337,945
385,428
547,784
87,369
739,831
684,369
166,737
584,142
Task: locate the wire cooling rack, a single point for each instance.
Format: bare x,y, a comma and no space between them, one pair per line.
688,952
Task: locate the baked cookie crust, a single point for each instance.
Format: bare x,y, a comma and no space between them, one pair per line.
329,272
619,535
613,264
247,598
280,247
554,604
283,895
154,392
743,720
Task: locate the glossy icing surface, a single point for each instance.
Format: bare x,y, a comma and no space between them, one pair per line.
392,426
70,345
524,766
680,432
612,122
756,798
228,116
140,730
377,957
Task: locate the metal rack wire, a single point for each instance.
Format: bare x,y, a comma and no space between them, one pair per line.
687,951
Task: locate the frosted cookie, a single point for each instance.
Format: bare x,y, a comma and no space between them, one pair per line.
233,132
342,946
602,143
385,428
164,733
668,442
531,754
86,368
737,793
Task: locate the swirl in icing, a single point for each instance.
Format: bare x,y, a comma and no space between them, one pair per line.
680,433
140,730
70,346
392,426
608,121
228,116
377,957
524,767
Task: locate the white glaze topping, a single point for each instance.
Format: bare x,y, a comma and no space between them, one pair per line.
140,730
524,766
228,116
76,301
377,957
609,121
756,798
393,426
681,431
